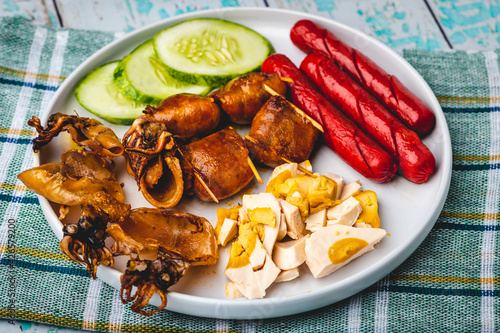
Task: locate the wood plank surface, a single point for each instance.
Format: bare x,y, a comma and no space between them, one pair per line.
422,24
469,24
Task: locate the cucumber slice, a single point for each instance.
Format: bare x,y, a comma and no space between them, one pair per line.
142,77
98,94
210,51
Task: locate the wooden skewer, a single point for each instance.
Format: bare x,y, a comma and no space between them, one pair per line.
254,170
301,168
299,111
285,79
205,186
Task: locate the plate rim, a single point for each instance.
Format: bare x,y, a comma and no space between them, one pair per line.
242,308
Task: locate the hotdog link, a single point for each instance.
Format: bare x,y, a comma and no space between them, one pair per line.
342,136
414,158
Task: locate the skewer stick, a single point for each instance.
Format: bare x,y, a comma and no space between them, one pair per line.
300,167
299,111
254,170
202,182
205,186
286,79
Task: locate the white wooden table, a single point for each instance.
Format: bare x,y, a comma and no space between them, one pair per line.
421,24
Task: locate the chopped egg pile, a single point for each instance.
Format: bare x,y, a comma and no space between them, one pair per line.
301,218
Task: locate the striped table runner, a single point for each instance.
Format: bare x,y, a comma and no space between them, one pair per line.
450,284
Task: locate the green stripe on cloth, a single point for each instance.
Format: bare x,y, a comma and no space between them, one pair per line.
450,283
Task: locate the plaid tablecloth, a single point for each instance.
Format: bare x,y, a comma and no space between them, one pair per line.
450,284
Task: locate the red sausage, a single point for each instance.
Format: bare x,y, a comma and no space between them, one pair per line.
346,139
411,110
414,158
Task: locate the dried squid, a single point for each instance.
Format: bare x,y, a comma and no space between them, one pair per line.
83,178
86,179
162,245
86,132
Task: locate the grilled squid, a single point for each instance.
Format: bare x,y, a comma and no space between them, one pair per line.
84,179
220,161
161,245
185,115
242,97
278,131
152,161
86,132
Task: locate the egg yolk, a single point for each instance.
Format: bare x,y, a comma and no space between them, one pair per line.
262,215
369,206
342,250
280,178
238,257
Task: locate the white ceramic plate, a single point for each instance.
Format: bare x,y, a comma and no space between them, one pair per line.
408,211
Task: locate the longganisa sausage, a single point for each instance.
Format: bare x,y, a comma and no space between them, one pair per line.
414,158
346,139
411,110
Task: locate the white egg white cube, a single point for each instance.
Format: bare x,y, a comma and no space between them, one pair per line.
245,281
288,275
316,220
294,224
232,291
291,254
340,183
350,189
228,231
283,229
345,213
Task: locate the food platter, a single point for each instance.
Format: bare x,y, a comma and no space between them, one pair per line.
407,210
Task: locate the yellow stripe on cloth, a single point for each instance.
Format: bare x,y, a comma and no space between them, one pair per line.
471,158
471,216
13,187
37,253
468,100
22,74
12,131
61,321
447,279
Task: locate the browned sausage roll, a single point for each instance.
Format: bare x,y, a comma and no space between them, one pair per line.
221,160
278,132
243,96
186,115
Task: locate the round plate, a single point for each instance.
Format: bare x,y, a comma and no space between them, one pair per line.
407,210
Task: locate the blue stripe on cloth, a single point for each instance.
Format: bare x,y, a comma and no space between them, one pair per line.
44,268
471,110
469,227
476,167
25,141
435,291
16,199
19,83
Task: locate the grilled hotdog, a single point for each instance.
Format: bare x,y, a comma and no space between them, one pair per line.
412,111
414,158
242,97
345,138
278,131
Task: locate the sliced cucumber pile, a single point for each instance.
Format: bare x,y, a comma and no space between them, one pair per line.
210,51
194,56
98,94
143,78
